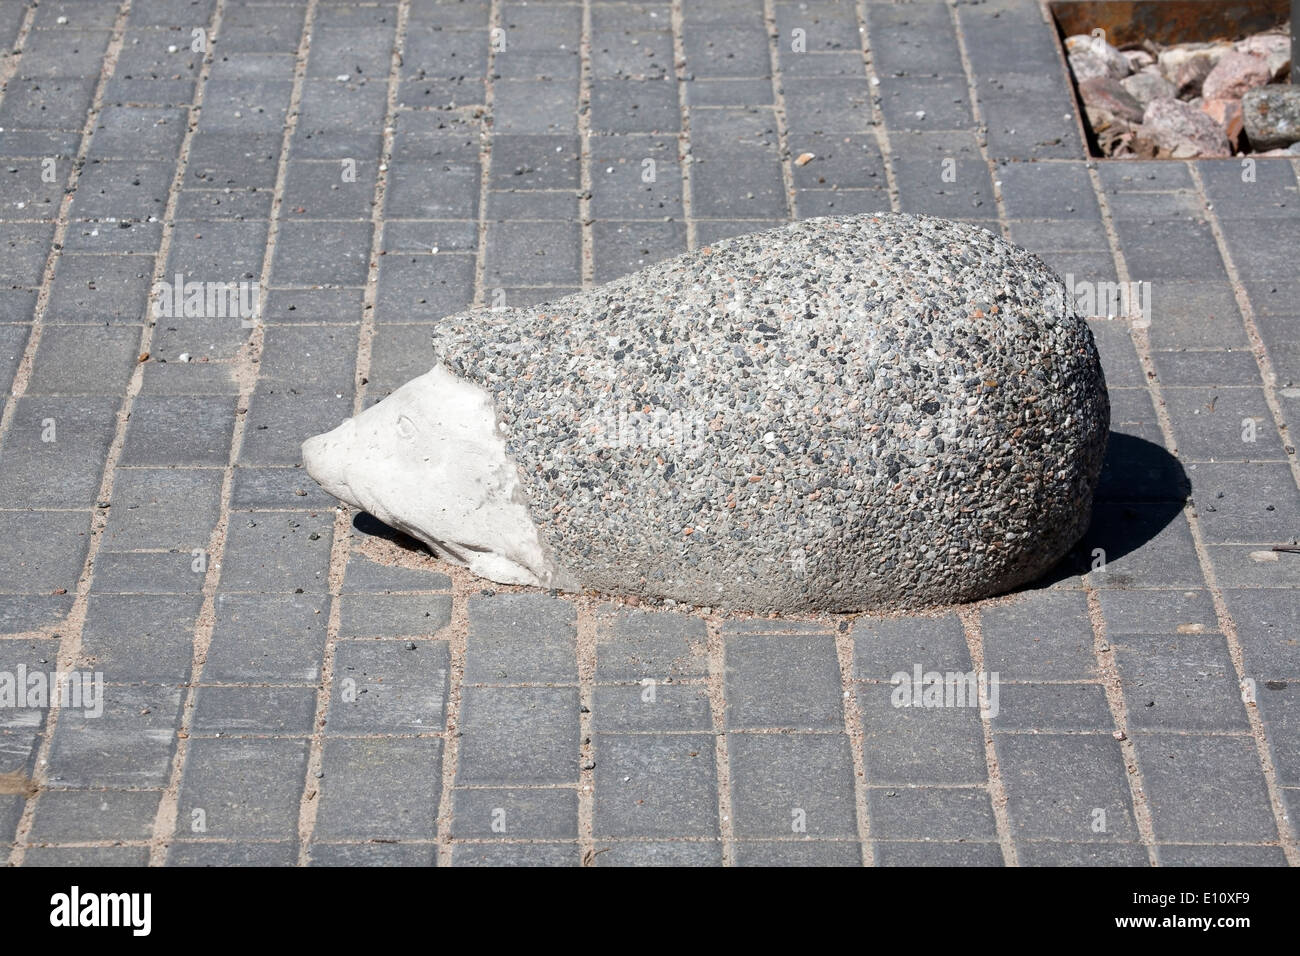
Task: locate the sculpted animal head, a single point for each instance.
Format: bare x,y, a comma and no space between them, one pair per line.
428,461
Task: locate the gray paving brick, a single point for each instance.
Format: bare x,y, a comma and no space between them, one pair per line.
279,416
123,132
1266,621
917,744
526,253
531,161
633,645
885,646
125,237
1184,682
103,856
536,106
53,455
1059,853
11,811
80,361
22,717
433,190
1218,855
197,853
277,551
394,615
625,186
791,784
274,639
1145,544
624,247
652,707
931,813
230,711
365,575
45,552
47,103
1279,707
386,687
518,735
154,572
515,814
30,612
655,785
1052,707
380,788
305,255
179,430
129,745
759,170
123,189
275,487
26,246
938,854
837,853
1157,612
516,854
627,106
649,853
423,289
521,637
1045,636
1242,516
374,854
242,789
313,305
76,816
1056,783
1205,789
163,508
783,681
140,637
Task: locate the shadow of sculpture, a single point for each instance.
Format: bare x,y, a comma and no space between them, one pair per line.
1141,490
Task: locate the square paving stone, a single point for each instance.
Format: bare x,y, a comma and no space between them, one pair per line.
884,646
380,788
518,735
140,637
152,572
537,814
1205,789
521,637
394,615
163,508
274,639
1056,784
277,551
386,687
45,550
931,813
633,645
374,854
179,430
1182,682
809,853
232,711
655,785
79,816
53,455
516,854
652,853
1046,637
918,744
1052,708
71,360
242,788
130,745
305,255
1157,612
792,784
652,706
783,681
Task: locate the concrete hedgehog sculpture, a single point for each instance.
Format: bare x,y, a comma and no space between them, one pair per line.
871,412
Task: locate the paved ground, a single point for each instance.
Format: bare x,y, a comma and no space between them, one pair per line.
286,683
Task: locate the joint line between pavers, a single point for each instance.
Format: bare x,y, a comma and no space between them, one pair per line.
1113,688
685,157
845,652
341,544
878,128
718,708
587,256
70,642
778,109
486,132
972,626
978,115
463,584
246,368
586,647
1227,626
